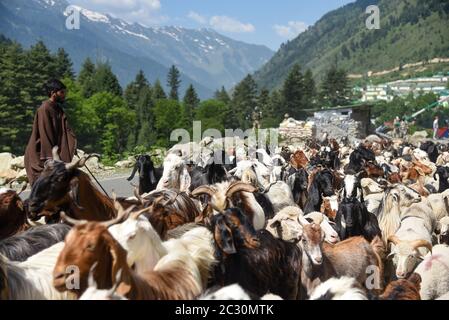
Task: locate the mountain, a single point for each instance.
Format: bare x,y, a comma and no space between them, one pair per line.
205,58
410,31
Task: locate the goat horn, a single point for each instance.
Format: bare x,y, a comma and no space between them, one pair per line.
302,220
81,162
72,221
240,186
136,214
121,216
203,190
422,243
55,154
395,240
137,195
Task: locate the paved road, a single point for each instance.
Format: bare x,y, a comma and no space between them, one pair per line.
119,184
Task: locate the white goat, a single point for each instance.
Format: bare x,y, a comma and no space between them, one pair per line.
175,175
394,200
434,272
33,279
413,239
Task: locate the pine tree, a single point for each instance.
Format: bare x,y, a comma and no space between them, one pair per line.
86,78
309,90
64,66
105,80
133,90
335,88
173,82
222,95
293,93
158,91
133,97
145,118
14,98
244,101
191,102
41,66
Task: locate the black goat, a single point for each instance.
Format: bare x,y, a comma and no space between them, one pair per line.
211,174
298,181
357,159
431,149
443,174
22,246
322,185
353,219
257,261
149,176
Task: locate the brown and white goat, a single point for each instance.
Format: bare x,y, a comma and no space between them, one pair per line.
175,277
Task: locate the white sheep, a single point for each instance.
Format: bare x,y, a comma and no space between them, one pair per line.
434,271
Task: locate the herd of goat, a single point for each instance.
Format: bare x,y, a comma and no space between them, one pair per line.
328,221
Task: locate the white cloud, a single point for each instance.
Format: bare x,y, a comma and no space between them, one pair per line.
145,12
228,24
291,30
197,17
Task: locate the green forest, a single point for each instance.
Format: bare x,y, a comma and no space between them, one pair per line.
112,120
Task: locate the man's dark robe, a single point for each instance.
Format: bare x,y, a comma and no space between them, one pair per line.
50,128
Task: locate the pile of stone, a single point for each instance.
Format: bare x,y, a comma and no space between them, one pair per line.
338,126
294,131
11,168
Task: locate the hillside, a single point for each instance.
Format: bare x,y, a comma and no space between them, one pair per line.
410,31
205,58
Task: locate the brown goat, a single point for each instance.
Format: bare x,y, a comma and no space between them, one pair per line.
169,210
90,242
321,261
63,186
394,178
373,171
299,160
13,217
403,289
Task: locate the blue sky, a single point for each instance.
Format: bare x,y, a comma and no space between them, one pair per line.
265,22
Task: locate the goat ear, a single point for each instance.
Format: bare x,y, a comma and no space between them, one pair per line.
90,280
118,260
